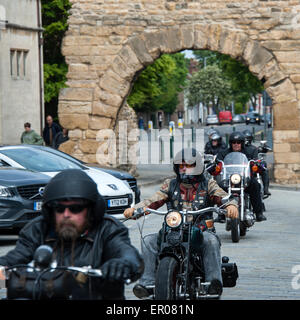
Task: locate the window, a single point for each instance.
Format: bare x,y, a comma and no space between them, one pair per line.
18,63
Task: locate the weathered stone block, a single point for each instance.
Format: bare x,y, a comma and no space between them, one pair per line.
283,92
77,94
68,147
113,83
74,107
139,47
187,37
102,109
286,136
74,121
89,146
98,123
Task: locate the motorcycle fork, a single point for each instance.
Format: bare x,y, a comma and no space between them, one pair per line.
242,195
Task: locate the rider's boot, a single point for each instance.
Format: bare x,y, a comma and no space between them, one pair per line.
141,291
215,287
260,216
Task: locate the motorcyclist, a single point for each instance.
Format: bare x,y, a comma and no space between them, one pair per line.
215,144
264,173
189,190
237,144
73,222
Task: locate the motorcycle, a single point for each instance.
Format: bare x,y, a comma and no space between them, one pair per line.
179,270
43,280
234,177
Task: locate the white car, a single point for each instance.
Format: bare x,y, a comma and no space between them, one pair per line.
116,192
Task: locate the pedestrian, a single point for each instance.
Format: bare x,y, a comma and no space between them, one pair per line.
29,136
50,131
160,120
74,224
60,137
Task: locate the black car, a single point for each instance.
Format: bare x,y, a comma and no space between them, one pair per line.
253,117
125,176
20,196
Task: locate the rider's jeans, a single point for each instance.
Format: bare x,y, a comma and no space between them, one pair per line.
211,256
254,192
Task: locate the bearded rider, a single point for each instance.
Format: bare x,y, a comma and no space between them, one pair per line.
189,190
74,224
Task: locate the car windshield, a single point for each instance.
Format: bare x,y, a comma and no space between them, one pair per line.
39,160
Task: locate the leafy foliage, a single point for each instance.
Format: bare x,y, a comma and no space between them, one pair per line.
158,85
54,20
209,86
244,86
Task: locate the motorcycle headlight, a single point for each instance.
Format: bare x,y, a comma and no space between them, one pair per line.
173,219
235,178
4,192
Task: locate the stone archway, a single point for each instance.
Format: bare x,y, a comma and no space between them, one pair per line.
87,109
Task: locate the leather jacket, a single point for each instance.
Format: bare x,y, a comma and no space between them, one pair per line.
93,248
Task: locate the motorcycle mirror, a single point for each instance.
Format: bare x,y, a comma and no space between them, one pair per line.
42,256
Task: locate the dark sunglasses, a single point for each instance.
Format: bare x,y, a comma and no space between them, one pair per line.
236,142
74,208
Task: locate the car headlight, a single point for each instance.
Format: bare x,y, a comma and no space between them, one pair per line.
173,219
235,178
257,119
4,192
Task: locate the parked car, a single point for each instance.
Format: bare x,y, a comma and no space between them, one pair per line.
122,175
238,119
212,119
20,196
117,193
253,117
225,117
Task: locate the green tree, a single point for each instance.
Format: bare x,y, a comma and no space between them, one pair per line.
243,84
210,87
157,86
54,20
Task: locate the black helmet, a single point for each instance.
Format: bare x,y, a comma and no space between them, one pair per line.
237,136
73,184
189,156
248,136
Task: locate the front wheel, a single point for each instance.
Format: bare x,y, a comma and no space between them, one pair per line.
235,230
166,279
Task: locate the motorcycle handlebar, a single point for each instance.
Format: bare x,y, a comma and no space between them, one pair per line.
85,270
218,211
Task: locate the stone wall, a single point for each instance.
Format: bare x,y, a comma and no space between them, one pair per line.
109,42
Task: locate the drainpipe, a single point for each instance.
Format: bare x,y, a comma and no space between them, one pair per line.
40,57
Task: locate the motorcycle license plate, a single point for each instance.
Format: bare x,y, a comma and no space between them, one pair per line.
37,206
118,202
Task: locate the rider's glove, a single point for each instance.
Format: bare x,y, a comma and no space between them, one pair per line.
117,270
